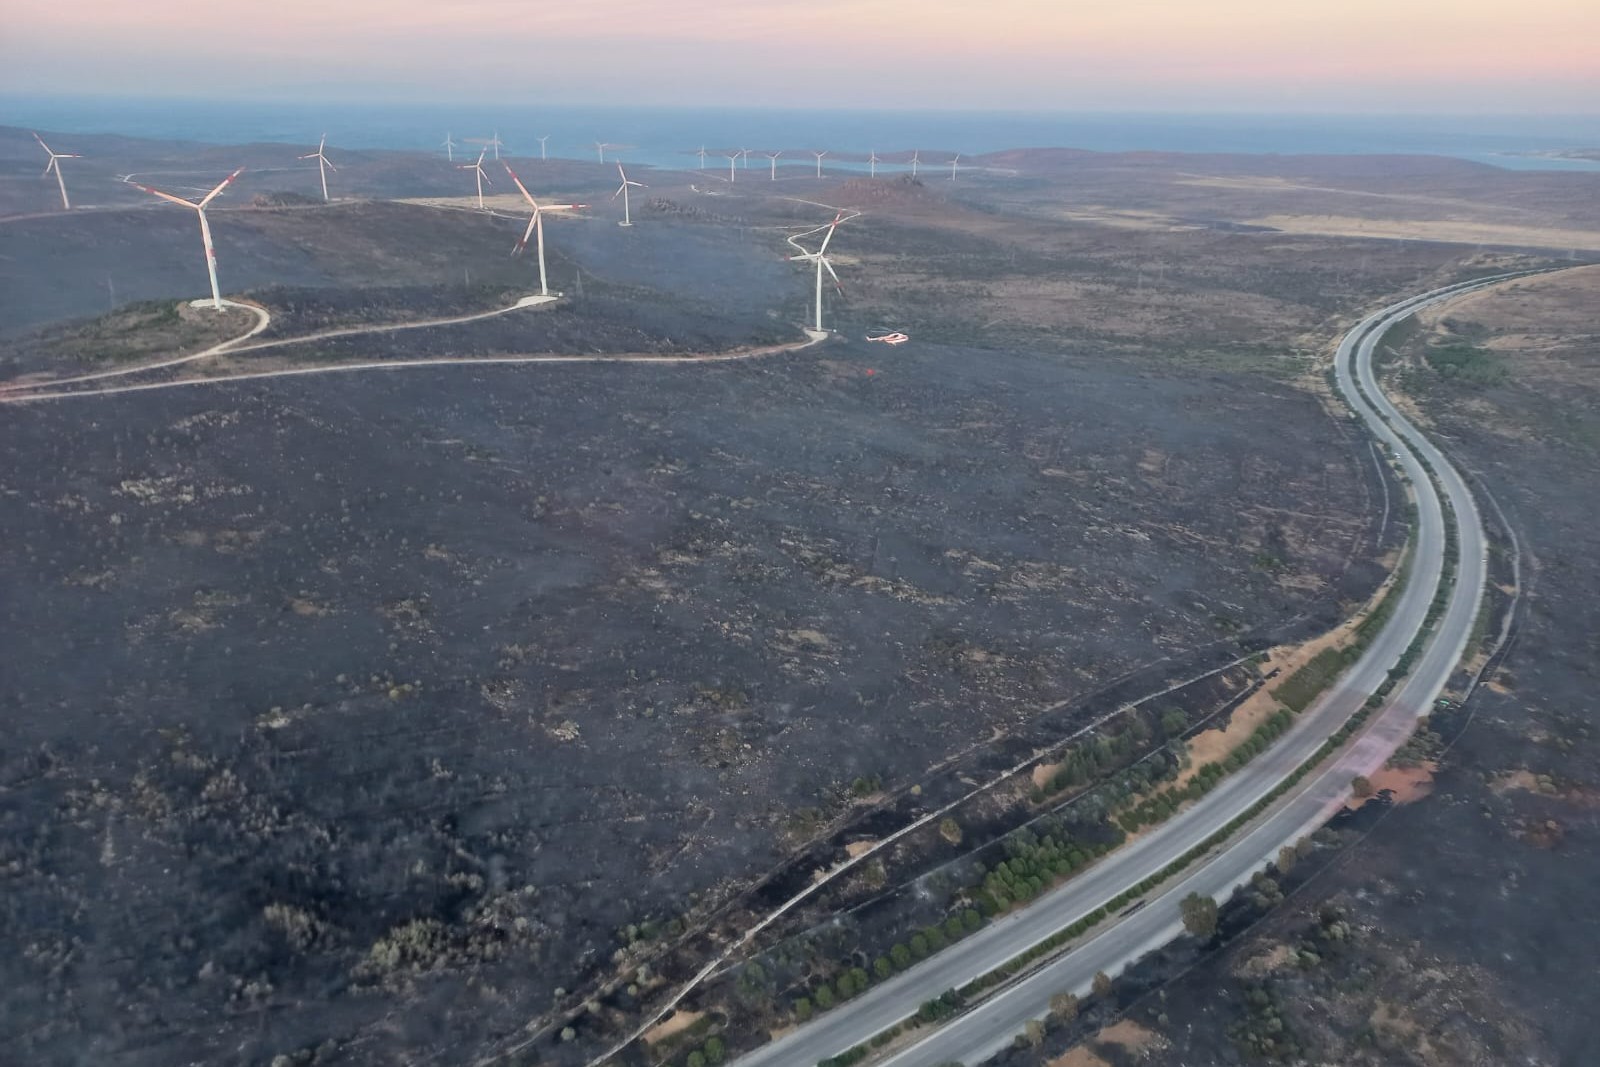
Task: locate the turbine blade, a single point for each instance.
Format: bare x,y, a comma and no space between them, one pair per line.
834,225
533,220
836,283
223,184
42,145
165,196
523,189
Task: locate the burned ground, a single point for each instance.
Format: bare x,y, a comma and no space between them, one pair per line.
368,709
523,656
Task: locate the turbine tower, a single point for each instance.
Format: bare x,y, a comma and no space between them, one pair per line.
55,165
495,143
772,158
872,164
536,226
702,157
622,191
542,142
482,177
819,156
915,162
954,163
733,161
323,166
820,258
600,147
205,227
449,148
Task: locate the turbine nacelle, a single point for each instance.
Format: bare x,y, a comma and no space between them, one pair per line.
536,225
199,208
55,165
324,164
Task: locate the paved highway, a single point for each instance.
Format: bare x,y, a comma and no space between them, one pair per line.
976,1036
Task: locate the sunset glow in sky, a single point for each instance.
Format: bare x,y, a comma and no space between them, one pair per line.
1351,55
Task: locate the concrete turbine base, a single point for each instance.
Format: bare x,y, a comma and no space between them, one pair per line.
817,335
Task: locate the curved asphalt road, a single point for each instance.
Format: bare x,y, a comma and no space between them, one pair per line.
977,1035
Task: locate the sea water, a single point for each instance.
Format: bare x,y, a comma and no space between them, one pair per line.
671,137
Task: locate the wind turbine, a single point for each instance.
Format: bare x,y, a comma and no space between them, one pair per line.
495,143
954,163
449,148
600,147
772,158
820,258
872,163
205,227
733,161
915,161
536,226
55,165
542,141
702,157
482,177
622,191
323,166
819,156
745,152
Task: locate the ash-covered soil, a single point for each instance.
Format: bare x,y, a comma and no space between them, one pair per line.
367,709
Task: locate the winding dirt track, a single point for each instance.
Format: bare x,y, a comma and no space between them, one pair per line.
49,389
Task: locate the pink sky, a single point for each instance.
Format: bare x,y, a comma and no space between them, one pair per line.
1421,55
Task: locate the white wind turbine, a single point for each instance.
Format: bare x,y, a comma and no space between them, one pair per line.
482,177
915,161
542,141
772,158
819,156
536,226
622,191
55,165
872,164
955,163
205,227
323,166
745,152
600,147
733,161
702,157
495,143
820,258
449,148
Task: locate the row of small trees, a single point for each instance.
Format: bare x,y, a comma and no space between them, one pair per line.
1160,807
1090,761
854,980
1034,867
